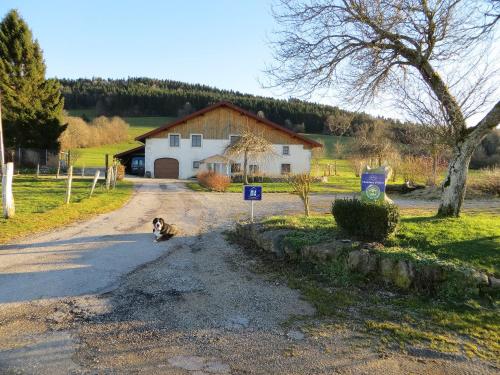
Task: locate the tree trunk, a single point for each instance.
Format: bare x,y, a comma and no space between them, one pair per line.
245,172
306,206
455,184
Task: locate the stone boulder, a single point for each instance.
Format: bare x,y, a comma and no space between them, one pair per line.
493,282
362,261
404,273
326,250
428,278
271,241
387,269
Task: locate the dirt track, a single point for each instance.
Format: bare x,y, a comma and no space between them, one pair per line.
109,300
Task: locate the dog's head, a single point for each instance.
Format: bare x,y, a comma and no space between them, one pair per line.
158,224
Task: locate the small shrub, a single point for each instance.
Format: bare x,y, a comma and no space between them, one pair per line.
214,181
366,220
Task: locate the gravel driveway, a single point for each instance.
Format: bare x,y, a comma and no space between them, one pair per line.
102,297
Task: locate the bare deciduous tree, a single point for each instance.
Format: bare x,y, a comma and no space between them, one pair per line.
250,145
301,185
373,142
429,50
338,124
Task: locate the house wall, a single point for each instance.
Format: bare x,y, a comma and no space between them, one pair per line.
156,148
216,127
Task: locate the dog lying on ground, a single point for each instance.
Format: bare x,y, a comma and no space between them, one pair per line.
162,230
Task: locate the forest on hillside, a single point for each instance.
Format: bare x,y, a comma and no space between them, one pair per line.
157,97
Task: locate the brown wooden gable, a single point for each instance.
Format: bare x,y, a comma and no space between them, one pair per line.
224,119
222,122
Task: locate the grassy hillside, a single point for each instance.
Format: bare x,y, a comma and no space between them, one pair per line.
95,156
329,142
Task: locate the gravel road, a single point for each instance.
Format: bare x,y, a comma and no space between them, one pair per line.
102,297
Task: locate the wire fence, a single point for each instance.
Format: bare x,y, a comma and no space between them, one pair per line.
45,162
33,157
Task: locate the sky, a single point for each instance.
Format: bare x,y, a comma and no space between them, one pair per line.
221,43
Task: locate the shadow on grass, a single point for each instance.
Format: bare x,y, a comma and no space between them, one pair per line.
468,240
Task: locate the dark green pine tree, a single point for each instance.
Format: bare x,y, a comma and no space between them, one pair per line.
31,105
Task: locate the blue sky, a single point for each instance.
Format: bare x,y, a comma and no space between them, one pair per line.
222,43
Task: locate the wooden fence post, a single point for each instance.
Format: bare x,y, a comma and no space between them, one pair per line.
115,175
68,184
83,171
96,177
7,196
38,171
107,167
108,177
58,166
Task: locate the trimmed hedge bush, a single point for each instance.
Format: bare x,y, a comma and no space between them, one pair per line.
368,221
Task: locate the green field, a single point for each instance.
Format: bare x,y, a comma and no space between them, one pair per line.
328,142
95,156
41,202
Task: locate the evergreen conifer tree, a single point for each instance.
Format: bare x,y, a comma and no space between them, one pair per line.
31,105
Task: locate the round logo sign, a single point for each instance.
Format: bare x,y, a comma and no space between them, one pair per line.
372,192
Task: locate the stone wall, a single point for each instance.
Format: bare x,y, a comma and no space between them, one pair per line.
365,259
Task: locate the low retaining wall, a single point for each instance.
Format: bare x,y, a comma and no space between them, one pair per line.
428,278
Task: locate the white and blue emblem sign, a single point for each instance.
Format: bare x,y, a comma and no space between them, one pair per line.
252,193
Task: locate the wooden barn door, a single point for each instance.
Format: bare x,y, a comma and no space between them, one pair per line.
166,168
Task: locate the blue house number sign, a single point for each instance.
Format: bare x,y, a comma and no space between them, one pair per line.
252,193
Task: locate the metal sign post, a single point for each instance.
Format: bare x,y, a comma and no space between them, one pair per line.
252,193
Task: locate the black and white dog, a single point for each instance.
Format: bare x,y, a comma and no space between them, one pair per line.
162,230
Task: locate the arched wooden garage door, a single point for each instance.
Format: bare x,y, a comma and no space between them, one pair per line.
166,168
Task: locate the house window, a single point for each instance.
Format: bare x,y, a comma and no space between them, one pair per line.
253,168
196,140
196,164
236,168
285,168
233,139
174,140
286,150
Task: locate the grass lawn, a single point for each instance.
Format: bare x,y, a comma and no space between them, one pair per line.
384,315
473,240
281,187
343,183
95,156
40,203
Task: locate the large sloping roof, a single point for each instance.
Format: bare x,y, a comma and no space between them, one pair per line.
264,121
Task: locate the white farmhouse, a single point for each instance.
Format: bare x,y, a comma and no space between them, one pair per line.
195,142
